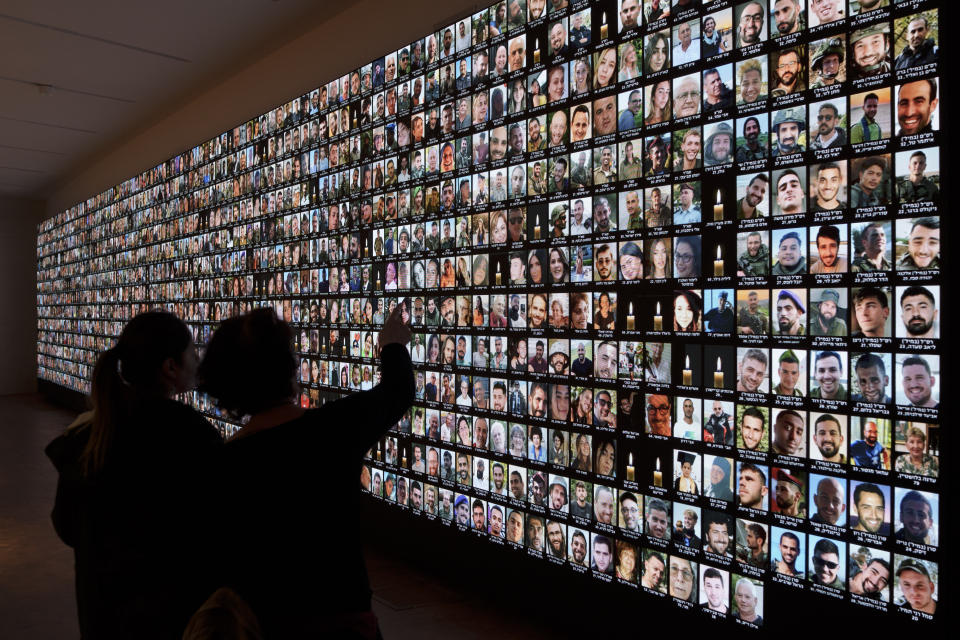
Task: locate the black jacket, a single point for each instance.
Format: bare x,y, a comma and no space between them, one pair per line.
926,53
292,502
139,527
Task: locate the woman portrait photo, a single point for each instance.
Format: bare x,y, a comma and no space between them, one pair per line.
605,68
687,311
660,265
657,52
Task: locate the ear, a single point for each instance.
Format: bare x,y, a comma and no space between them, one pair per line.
169,368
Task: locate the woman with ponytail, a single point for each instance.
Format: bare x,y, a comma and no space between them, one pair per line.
136,487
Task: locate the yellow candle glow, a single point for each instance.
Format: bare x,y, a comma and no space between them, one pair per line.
536,232
658,320
604,29
498,277
631,471
718,208
657,476
631,320
718,376
688,374
536,52
718,264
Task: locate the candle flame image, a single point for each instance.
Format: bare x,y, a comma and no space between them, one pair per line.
604,17
658,308
658,464
718,252
630,310
719,368
718,196
688,363
630,461
537,44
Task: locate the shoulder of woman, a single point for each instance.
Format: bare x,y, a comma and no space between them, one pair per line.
66,448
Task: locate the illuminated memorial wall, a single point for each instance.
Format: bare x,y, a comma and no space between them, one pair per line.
673,275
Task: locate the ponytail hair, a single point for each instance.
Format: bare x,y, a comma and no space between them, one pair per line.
126,372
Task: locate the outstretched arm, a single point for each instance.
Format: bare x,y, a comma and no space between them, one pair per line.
369,414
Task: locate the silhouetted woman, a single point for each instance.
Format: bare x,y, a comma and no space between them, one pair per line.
135,487
291,513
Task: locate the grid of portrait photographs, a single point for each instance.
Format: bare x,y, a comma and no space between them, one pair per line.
672,269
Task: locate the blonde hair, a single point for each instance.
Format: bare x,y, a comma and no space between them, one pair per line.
749,65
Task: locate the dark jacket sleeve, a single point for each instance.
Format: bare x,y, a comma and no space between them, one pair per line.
64,453
369,414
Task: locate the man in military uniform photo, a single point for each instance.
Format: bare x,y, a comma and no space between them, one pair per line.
787,125
580,175
719,147
689,156
923,245
751,319
755,261
788,71
870,51
631,167
788,16
868,190
916,187
658,214
827,62
790,312
657,157
752,149
873,238
826,322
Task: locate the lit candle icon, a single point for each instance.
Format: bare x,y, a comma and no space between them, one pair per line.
366,252
379,454
718,376
403,461
631,471
658,320
536,52
688,374
718,208
657,476
536,232
603,27
718,264
631,320
498,277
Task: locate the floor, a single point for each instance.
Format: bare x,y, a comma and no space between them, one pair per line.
36,569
